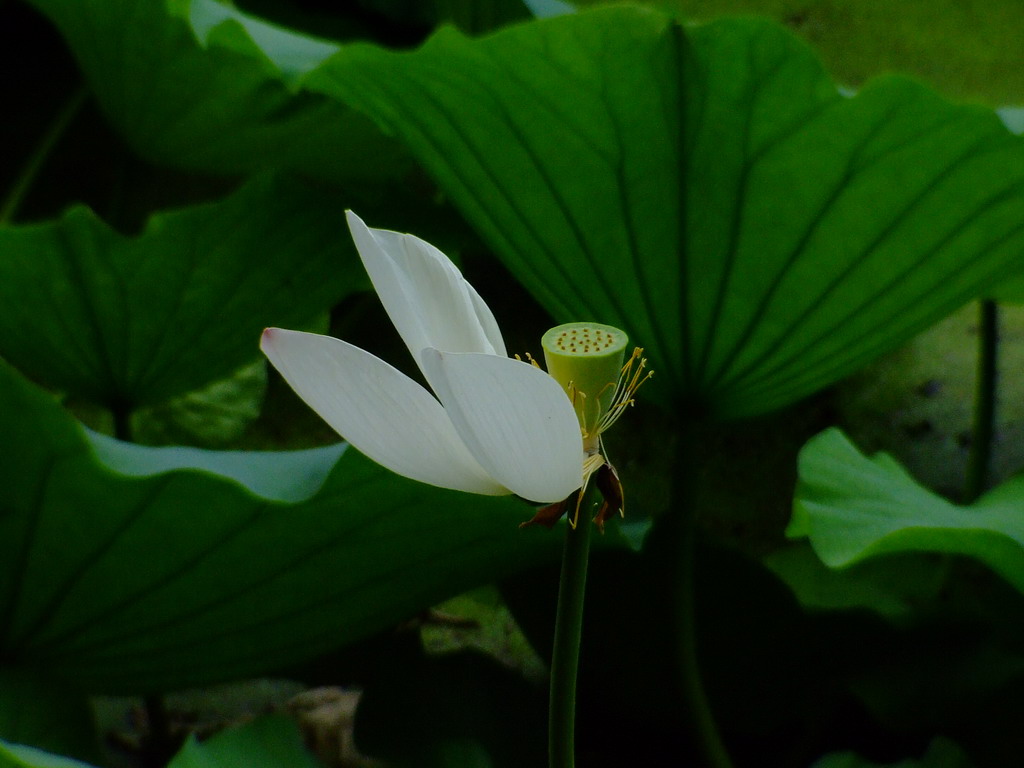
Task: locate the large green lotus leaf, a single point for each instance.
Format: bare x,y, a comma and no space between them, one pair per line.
1011,291
35,711
895,587
543,9
135,320
21,756
269,742
941,753
471,16
852,507
1013,117
707,189
195,85
133,569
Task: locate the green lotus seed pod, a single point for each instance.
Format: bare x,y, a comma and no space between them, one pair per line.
586,359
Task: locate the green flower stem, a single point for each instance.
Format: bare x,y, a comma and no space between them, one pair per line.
568,628
49,140
984,402
122,422
159,748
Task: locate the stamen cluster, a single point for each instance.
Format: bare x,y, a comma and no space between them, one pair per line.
587,360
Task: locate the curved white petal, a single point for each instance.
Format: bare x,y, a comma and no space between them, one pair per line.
379,410
425,295
487,323
514,418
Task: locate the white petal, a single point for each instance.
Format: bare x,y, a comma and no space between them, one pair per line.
425,295
487,323
379,410
516,420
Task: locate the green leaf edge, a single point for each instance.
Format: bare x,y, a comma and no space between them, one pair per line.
990,530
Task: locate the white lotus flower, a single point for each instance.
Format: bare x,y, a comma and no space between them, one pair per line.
496,426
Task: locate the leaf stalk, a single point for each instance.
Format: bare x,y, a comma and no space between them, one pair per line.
568,630
30,171
983,429
683,522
